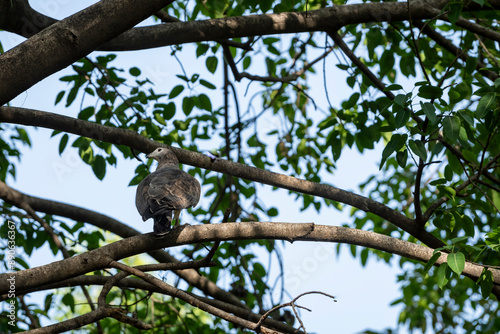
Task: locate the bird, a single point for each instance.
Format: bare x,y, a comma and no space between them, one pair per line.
164,193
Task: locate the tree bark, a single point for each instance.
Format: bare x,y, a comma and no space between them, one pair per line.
66,41
101,258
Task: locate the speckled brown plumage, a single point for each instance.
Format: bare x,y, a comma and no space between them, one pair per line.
163,193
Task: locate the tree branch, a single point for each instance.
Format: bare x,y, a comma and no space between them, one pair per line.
66,41
177,32
137,142
359,64
100,258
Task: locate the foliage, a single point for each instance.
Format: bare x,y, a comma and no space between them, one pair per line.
436,124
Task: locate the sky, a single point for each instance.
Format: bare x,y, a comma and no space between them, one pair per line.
363,294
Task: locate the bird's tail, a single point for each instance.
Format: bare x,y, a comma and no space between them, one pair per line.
162,224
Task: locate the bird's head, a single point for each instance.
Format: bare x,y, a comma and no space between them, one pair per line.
164,156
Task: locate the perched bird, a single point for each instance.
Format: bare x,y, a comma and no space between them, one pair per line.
166,192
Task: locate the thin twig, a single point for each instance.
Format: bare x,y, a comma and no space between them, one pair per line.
293,305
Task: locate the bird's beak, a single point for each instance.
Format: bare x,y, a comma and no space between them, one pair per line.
152,155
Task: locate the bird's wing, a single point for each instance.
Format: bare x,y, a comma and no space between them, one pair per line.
142,198
174,189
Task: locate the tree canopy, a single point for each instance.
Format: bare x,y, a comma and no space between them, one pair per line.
423,90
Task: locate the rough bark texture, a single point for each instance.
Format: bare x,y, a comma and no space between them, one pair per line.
101,258
64,42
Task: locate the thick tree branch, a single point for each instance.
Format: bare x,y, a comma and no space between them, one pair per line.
104,222
100,258
66,41
24,21
137,142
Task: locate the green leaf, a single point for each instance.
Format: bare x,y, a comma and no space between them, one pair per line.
259,269
401,158
447,190
432,260
201,49
23,135
62,143
169,111
364,256
393,87
194,77
175,91
187,105
272,212
458,240
451,128
99,167
484,104
429,111
486,283
437,181
159,118
134,71
401,99
456,261
455,12
205,102
402,117
211,64
468,226
181,125
418,147
68,300
207,84
89,91
430,92
86,113
48,302
395,144
246,62
351,102
442,278
59,97
72,95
